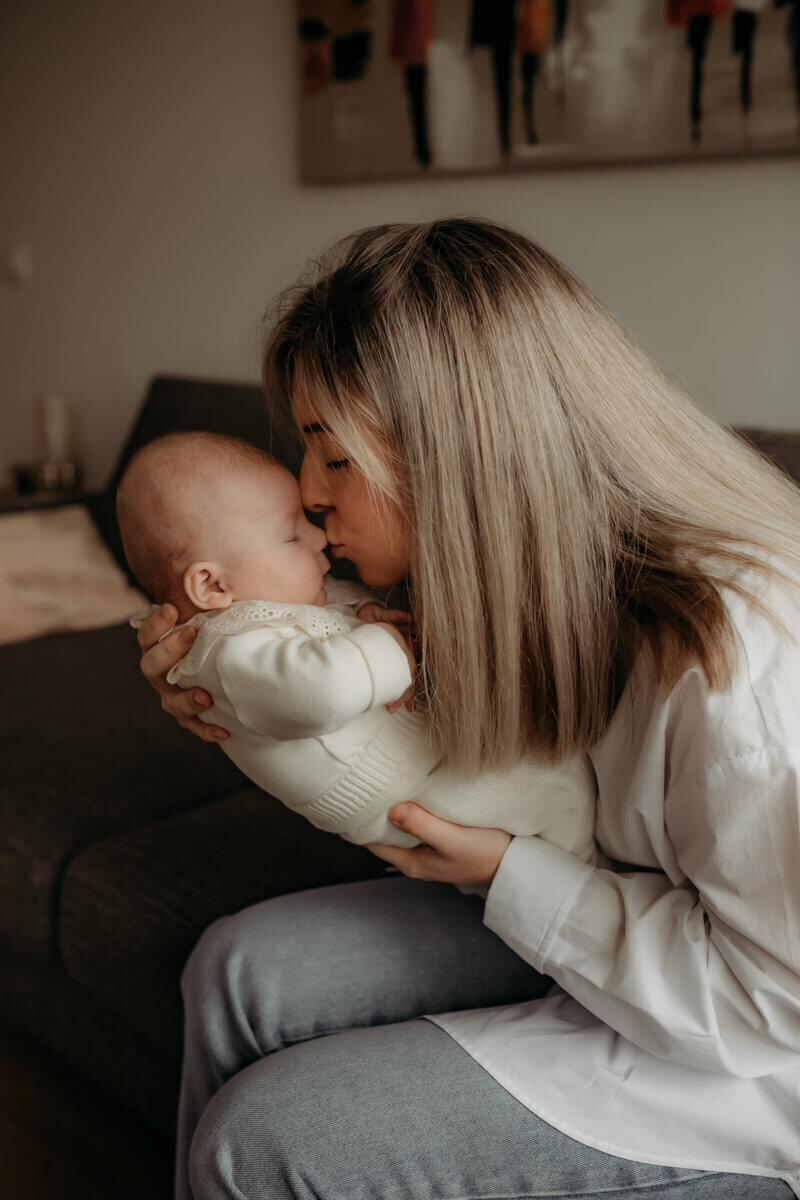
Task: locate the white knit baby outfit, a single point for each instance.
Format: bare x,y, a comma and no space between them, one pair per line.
303,691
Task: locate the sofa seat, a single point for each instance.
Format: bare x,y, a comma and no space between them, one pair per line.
98,758
133,905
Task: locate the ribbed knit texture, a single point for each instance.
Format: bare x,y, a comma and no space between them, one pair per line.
394,766
400,763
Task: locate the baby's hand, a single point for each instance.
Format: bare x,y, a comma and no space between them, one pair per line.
408,696
375,614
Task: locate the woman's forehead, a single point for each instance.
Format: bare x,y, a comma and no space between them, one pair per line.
306,416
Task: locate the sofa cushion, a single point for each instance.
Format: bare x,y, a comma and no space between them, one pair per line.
132,906
87,752
95,1041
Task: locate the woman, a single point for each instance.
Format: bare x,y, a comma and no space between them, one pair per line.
593,565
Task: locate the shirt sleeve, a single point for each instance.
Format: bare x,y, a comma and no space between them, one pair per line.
301,686
702,970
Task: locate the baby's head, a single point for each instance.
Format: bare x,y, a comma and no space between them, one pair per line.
207,520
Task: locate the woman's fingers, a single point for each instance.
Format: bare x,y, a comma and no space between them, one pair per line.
396,616
402,857
184,704
159,658
209,733
162,657
156,625
406,699
448,853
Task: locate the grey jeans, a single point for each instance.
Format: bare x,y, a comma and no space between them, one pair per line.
308,1073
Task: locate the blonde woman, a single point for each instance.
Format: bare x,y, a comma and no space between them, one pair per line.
593,565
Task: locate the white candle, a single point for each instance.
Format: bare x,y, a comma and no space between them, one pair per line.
54,429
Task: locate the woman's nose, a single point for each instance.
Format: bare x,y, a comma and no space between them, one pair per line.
313,492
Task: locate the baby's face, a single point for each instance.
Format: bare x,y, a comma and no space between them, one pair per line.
268,548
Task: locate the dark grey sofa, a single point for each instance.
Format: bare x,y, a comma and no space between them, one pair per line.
121,836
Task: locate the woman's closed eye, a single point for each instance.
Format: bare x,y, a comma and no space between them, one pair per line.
337,464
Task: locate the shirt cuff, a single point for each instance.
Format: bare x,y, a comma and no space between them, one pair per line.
531,894
386,662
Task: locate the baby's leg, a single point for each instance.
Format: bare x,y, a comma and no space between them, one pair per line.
533,798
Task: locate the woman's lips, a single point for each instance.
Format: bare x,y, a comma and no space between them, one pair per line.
336,549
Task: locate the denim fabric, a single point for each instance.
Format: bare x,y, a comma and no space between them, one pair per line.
307,1075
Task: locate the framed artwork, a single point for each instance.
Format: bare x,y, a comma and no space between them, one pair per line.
393,88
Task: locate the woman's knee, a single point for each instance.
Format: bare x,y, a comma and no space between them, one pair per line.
212,1156
226,981
254,935
255,971
265,932
250,1140
267,1131
207,957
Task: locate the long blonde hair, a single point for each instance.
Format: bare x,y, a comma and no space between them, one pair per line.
569,504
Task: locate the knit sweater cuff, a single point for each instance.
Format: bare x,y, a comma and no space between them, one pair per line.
393,767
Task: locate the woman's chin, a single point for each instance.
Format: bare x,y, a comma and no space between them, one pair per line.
379,579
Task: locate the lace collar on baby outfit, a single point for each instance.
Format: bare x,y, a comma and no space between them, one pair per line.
251,614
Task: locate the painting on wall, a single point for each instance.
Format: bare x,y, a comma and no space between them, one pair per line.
391,88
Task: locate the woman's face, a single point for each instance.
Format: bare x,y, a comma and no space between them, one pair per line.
377,543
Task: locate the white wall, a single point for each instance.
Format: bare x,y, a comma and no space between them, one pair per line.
148,158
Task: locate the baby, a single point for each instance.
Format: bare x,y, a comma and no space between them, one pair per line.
216,527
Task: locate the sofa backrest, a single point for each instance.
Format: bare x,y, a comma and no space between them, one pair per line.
175,404
782,448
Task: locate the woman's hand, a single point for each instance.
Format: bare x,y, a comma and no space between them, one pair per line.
158,658
449,854
372,613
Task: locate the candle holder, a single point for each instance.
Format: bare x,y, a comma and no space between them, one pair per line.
56,474
43,480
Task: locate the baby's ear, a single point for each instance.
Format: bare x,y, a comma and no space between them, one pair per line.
205,587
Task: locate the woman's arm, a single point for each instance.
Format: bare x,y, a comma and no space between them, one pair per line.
703,970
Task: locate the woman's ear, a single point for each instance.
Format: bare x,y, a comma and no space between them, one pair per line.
205,587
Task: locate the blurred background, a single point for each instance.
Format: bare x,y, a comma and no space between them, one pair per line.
158,188
152,204
392,87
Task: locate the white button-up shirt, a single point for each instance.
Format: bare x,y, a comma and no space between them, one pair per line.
673,1032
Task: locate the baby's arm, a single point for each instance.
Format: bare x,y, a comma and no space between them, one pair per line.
299,686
